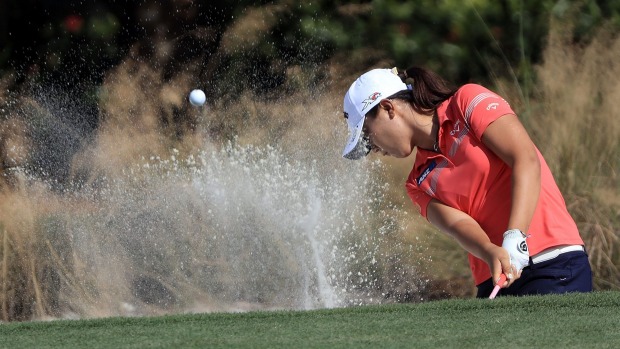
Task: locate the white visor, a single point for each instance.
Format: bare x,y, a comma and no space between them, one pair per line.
363,95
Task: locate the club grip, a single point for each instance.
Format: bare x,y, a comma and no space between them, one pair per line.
500,282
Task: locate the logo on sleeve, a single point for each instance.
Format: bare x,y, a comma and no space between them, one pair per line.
426,172
492,106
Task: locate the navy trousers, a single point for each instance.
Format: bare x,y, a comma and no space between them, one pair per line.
568,272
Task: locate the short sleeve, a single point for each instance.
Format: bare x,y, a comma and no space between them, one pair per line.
419,198
480,107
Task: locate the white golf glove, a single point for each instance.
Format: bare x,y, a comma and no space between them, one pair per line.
514,243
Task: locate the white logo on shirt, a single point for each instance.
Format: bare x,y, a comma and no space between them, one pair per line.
492,106
457,128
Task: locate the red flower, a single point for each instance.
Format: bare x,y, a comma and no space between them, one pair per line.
73,23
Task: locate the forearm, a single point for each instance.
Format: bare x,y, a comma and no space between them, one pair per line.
508,139
470,235
525,193
462,227
472,238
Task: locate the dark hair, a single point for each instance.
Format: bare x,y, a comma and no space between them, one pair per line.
428,90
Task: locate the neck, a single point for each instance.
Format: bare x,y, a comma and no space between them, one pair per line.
427,136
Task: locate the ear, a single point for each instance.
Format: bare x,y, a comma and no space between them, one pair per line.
388,105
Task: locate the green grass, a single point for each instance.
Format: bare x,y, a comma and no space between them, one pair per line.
570,321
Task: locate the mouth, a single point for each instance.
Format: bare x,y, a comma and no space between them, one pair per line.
372,147
376,149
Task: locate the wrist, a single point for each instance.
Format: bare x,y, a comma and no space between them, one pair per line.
489,252
514,232
516,246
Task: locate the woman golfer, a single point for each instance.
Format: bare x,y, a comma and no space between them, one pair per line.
477,176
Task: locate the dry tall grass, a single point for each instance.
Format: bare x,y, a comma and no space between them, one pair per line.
29,270
577,127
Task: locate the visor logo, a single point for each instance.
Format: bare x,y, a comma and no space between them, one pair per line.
346,115
368,101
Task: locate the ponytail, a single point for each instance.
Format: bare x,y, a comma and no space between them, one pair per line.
428,89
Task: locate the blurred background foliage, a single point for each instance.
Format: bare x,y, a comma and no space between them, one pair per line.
275,47
75,42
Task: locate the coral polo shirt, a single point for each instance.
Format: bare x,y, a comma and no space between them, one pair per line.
470,177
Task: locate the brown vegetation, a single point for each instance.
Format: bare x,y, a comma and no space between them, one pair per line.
577,125
573,119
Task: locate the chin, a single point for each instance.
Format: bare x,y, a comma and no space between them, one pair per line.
403,154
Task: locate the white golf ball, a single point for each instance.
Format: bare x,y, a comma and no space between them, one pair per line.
197,97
